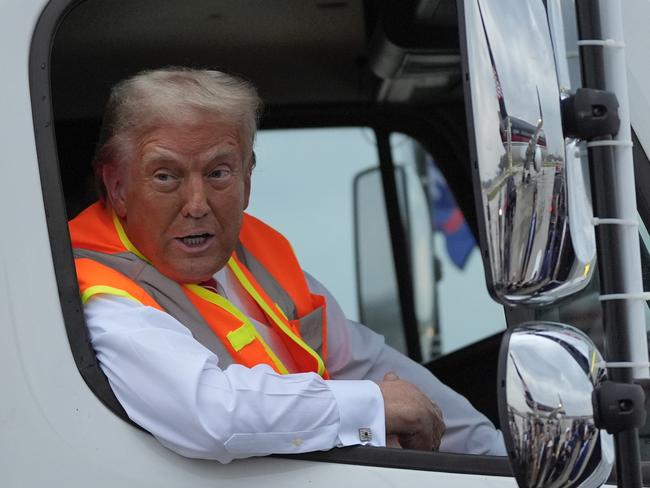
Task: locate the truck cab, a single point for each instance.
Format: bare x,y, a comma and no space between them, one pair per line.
364,162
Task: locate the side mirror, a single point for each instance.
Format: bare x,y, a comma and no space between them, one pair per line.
379,301
547,374
533,254
379,304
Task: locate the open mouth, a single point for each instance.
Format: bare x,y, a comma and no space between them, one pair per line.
195,240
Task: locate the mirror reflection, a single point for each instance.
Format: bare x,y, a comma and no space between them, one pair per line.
520,149
547,416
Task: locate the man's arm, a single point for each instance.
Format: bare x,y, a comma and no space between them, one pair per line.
173,387
357,352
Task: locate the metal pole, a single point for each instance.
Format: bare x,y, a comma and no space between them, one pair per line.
615,243
399,243
616,81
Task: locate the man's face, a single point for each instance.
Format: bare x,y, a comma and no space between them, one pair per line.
181,200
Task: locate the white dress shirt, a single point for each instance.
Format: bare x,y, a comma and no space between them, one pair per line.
173,386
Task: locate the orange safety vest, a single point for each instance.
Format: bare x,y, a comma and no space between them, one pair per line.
103,253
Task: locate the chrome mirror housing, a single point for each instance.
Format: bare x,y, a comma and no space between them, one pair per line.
519,156
547,374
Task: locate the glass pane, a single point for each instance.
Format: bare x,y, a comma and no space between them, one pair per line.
302,186
463,310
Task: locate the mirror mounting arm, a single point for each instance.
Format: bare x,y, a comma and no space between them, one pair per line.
589,114
618,406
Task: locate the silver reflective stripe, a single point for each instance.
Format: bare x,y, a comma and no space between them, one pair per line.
311,325
267,281
311,330
167,293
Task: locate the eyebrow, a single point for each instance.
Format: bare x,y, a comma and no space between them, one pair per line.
218,151
162,154
159,154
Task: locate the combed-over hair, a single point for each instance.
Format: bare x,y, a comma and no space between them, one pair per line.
172,96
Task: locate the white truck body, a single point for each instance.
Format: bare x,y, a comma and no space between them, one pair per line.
53,430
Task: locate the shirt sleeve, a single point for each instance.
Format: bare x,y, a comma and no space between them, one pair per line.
362,354
173,387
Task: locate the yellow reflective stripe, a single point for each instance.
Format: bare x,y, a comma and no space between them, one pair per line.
224,304
108,290
281,312
240,338
126,242
271,313
217,300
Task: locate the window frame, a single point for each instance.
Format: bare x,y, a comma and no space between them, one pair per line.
443,137
54,203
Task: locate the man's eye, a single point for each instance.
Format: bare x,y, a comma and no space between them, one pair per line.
163,177
220,173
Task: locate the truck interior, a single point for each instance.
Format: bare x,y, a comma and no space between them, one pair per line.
388,66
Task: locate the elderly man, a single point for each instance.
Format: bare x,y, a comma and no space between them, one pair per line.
211,335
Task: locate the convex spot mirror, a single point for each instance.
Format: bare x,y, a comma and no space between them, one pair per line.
518,153
547,374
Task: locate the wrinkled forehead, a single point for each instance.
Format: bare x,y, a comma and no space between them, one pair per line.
195,132
201,142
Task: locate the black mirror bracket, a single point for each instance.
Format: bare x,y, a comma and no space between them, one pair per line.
589,114
618,406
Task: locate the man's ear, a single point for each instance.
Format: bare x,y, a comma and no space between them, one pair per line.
247,179
115,188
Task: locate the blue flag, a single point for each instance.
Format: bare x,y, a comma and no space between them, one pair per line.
447,217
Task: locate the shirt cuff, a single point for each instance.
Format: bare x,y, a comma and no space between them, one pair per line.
361,412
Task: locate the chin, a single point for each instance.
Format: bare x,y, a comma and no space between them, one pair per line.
189,272
198,277
181,276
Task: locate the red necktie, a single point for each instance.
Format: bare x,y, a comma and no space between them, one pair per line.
212,285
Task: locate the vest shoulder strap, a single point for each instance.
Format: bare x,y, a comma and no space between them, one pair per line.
266,280
274,252
94,229
126,275
95,278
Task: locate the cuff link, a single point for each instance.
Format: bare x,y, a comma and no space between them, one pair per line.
365,434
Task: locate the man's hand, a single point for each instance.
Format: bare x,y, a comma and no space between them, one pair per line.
412,420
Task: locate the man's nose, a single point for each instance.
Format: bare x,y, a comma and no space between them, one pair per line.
196,198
